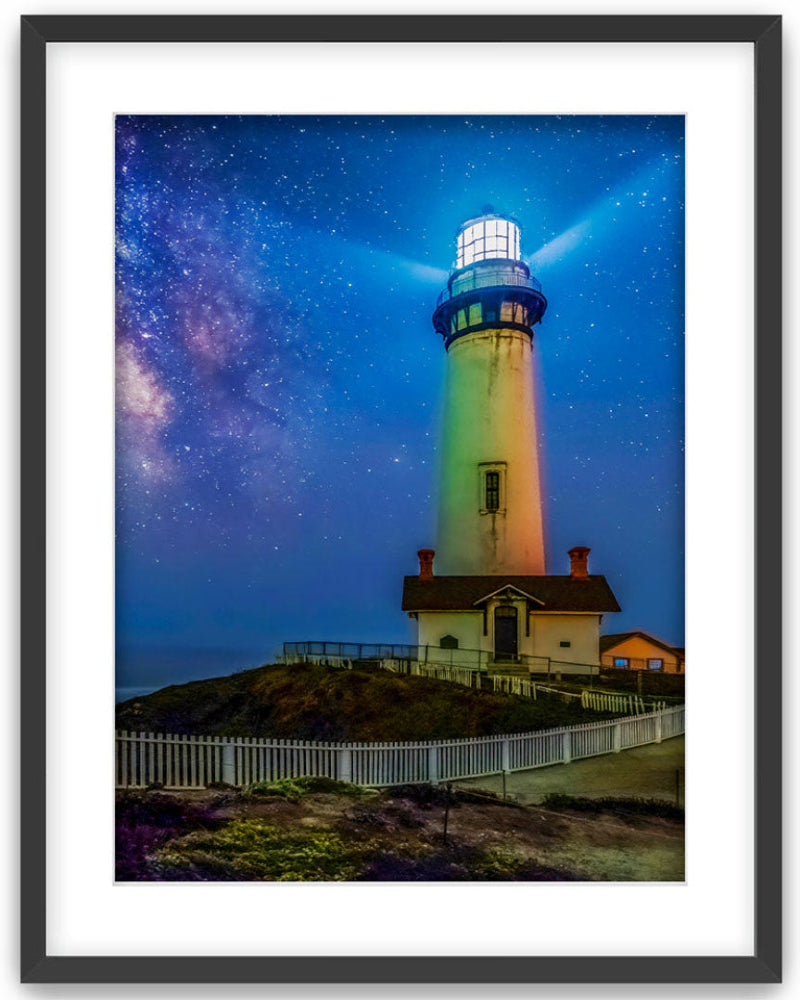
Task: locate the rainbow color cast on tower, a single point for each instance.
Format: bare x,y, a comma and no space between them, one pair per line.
490,502
489,595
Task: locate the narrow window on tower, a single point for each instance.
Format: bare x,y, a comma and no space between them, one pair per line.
492,495
492,490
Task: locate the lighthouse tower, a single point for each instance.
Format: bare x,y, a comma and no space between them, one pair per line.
482,599
490,504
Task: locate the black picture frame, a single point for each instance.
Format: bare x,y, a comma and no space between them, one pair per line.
764,965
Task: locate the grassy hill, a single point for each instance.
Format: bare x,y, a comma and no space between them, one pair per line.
321,703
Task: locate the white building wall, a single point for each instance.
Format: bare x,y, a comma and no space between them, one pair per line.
546,632
466,626
581,631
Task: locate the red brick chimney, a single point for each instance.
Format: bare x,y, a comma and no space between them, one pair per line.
578,562
425,564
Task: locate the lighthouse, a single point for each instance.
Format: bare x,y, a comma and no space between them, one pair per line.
490,502
482,597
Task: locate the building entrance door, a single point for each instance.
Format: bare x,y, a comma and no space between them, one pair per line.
505,633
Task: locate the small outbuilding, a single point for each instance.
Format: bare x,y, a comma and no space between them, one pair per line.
541,624
640,651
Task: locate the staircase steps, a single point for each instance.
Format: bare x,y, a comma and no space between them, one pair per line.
507,668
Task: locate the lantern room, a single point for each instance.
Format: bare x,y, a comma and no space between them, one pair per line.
490,287
485,238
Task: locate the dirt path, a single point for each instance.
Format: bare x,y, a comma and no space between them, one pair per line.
647,772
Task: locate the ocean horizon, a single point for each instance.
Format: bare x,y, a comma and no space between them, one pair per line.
142,669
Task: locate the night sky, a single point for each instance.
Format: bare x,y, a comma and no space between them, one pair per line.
279,383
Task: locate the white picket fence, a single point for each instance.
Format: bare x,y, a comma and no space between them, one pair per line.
143,759
441,672
504,684
604,701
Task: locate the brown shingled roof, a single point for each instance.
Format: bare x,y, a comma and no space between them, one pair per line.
610,641
464,593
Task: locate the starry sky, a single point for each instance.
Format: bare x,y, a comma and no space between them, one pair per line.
279,383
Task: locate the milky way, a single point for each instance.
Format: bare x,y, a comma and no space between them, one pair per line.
279,382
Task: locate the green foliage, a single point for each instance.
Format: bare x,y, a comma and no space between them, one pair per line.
482,797
142,806
422,794
624,808
501,865
293,789
251,849
653,683
311,702
257,850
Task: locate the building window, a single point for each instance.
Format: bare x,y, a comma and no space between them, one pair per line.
492,487
565,643
448,642
493,491
655,664
622,662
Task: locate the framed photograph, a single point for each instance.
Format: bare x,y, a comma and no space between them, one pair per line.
401,499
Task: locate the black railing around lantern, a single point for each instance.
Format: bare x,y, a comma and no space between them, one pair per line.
476,280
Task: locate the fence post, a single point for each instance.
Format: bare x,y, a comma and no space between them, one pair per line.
566,747
344,765
617,737
142,750
658,729
229,763
506,755
433,765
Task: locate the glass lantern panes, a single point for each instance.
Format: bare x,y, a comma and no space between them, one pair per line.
488,239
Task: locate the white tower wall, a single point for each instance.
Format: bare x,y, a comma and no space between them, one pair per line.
490,426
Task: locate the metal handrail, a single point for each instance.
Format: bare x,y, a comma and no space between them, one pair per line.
459,656
470,283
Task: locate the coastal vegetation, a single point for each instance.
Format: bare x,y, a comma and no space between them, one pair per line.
334,832
313,702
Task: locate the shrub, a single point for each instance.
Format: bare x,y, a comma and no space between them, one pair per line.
145,821
293,789
306,702
253,850
619,807
504,866
425,796
392,867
